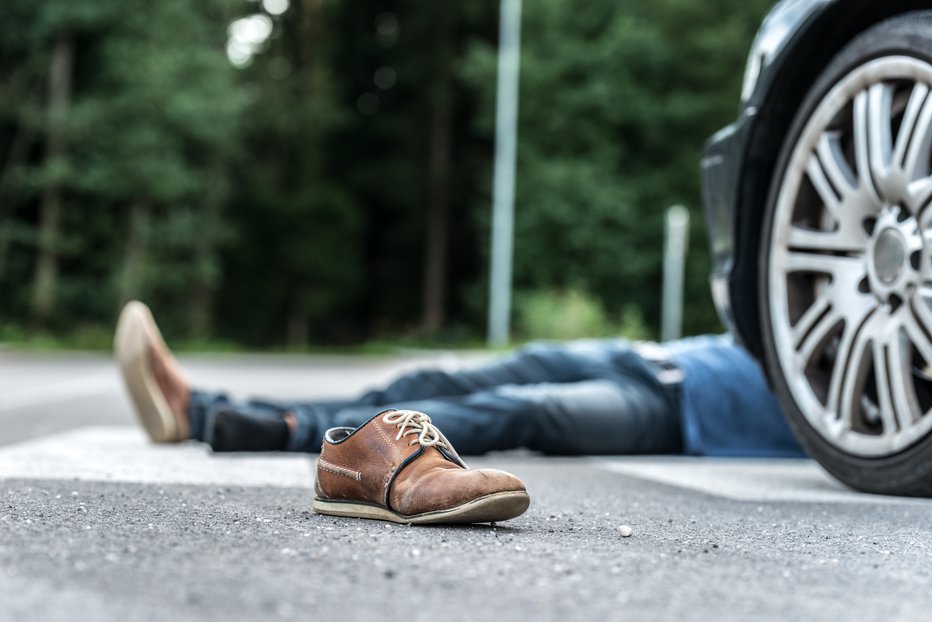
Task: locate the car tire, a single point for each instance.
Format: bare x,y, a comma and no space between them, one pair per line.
845,282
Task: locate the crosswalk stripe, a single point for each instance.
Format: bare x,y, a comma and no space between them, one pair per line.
124,454
95,384
750,479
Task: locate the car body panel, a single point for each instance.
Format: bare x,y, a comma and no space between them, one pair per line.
795,42
725,151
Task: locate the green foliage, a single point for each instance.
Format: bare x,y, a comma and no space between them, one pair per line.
617,99
284,202
573,314
151,121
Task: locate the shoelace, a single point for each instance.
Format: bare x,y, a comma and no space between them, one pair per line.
415,422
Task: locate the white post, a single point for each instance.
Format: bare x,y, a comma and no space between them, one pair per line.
503,190
676,242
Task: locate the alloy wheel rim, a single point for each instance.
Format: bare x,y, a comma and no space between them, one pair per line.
850,261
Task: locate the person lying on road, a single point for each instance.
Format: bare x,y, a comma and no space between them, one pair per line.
700,396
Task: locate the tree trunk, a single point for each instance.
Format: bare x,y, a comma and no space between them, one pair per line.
309,42
297,323
441,147
59,99
19,150
308,67
202,298
134,255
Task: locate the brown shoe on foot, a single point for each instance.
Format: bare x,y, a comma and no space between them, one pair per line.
154,381
399,467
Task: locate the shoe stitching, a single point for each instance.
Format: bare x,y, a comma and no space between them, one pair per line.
338,470
388,442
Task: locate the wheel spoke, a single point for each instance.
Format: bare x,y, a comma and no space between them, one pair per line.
899,357
833,307
808,319
835,166
914,138
860,325
847,377
817,176
864,120
844,239
879,113
882,383
840,267
920,307
920,192
815,339
917,335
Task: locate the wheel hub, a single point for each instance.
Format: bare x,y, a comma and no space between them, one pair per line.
889,255
893,255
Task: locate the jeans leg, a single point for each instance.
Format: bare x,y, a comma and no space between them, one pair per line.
431,390
590,417
534,364
593,396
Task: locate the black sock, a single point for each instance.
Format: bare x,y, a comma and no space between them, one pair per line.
233,431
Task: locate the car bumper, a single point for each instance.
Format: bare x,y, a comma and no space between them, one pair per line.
721,170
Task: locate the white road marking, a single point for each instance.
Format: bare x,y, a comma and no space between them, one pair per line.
95,384
124,454
747,479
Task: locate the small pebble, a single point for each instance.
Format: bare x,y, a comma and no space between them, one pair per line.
625,531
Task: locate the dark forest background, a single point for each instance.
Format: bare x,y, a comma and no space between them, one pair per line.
318,172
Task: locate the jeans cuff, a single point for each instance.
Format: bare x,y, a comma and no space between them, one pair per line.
200,405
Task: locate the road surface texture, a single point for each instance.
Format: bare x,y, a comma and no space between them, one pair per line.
97,524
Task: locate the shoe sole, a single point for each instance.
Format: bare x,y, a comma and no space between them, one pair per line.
130,347
498,506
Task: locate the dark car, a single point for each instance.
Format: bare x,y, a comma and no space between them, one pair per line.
818,205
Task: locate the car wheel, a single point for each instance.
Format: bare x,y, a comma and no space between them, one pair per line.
846,263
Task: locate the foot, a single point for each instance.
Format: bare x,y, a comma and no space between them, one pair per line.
153,378
169,377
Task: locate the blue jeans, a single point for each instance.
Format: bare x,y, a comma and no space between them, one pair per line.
583,397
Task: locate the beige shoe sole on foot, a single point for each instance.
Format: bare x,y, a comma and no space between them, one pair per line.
491,508
135,329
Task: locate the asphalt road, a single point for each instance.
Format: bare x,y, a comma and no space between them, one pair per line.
97,524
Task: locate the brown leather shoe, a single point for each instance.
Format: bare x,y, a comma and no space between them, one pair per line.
399,467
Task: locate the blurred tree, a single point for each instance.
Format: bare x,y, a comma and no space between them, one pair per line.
436,238
44,56
617,99
298,248
158,140
59,101
134,138
20,125
373,146
329,181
